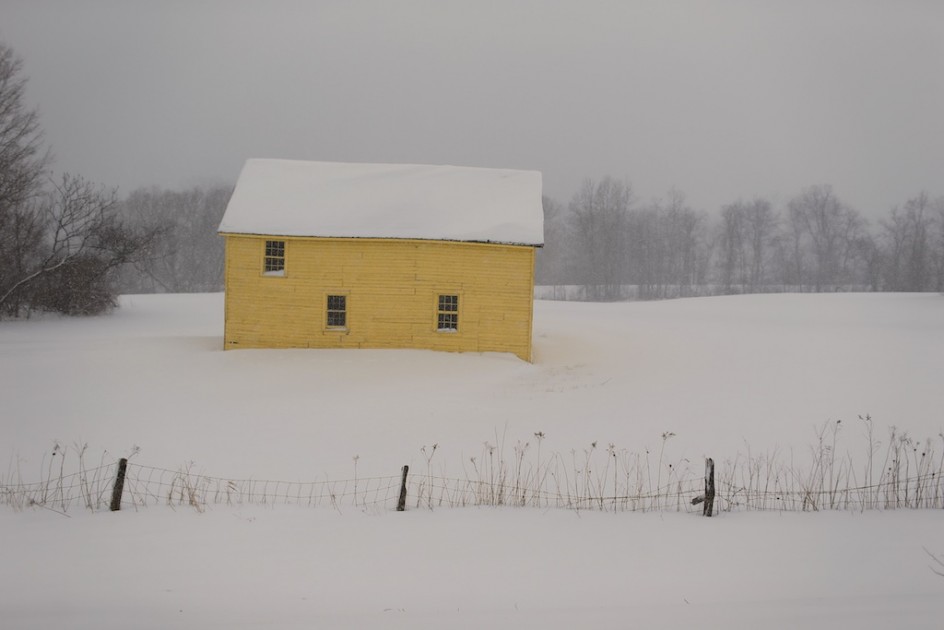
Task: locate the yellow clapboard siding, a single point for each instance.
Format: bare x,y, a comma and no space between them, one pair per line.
391,287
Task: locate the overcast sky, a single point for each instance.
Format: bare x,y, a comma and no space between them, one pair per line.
720,99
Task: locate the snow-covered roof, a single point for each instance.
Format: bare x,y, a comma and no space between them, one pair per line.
333,199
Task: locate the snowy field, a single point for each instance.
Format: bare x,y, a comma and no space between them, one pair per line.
725,375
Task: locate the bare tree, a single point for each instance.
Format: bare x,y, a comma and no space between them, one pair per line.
647,255
23,163
22,158
761,227
668,249
873,261
551,261
831,229
60,243
599,220
908,246
80,245
937,257
732,241
186,254
683,230
746,239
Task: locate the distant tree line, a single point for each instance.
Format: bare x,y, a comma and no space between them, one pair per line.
611,246
186,253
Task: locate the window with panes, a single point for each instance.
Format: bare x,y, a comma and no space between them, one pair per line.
447,313
274,259
337,311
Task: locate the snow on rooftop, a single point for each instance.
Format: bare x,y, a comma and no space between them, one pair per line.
333,199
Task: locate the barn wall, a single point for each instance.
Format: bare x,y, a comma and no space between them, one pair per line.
392,287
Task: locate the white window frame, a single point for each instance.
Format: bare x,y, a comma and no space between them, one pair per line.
329,311
271,259
451,311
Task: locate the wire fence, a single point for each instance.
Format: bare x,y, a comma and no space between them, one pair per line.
88,488
903,474
550,488
148,485
919,492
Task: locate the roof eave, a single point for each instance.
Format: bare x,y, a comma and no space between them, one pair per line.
380,238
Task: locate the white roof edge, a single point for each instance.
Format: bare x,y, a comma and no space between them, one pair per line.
388,201
375,238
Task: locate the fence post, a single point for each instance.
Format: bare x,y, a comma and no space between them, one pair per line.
401,504
119,485
709,487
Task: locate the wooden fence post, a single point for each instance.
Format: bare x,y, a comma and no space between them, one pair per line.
119,484
709,487
401,504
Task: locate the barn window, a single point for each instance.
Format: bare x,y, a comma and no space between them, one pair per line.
337,311
447,313
274,260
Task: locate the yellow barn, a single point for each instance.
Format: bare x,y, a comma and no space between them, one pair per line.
337,255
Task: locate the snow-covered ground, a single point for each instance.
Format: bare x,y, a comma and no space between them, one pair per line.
723,374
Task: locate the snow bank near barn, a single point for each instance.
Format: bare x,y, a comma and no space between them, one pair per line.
720,373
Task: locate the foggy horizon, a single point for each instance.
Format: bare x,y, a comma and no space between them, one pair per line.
722,100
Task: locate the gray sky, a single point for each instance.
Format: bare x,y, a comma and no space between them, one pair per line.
721,99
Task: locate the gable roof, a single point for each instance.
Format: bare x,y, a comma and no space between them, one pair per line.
334,199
